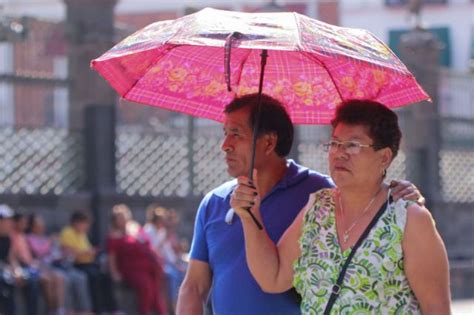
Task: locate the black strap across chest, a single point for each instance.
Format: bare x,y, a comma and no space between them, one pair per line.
336,289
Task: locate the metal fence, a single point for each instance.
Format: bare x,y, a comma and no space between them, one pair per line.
50,160
456,95
169,162
40,161
159,153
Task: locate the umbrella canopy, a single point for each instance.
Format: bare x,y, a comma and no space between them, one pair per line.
181,65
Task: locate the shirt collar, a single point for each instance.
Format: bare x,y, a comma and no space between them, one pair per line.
294,174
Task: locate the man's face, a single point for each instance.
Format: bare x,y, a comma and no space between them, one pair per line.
237,143
21,224
81,226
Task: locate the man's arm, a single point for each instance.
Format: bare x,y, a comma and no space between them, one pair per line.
270,265
195,289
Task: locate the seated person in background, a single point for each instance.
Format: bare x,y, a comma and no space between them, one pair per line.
74,240
48,252
52,281
8,280
161,229
132,260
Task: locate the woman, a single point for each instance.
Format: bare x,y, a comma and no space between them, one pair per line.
48,252
400,266
132,260
161,229
52,281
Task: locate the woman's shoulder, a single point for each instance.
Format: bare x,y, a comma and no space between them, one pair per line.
324,197
323,193
412,216
67,231
321,199
419,216
35,238
412,210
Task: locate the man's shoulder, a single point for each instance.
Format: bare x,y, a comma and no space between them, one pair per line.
320,177
222,191
217,196
315,179
67,233
67,230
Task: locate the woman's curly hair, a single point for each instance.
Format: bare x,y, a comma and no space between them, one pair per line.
380,121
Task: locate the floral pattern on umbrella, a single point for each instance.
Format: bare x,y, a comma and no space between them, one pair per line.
312,66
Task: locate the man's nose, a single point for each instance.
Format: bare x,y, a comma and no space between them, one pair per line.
226,145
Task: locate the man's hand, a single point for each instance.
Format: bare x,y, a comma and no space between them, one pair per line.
406,190
245,197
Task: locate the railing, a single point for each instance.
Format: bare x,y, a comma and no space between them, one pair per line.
40,161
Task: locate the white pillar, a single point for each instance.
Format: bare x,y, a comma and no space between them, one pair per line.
7,104
61,96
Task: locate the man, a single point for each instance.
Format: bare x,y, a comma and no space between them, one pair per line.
217,257
74,240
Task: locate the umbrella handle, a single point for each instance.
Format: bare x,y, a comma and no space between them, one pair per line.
256,125
258,224
227,49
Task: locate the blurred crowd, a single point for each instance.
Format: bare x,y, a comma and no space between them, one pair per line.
63,273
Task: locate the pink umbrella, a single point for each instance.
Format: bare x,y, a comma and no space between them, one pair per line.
312,66
198,63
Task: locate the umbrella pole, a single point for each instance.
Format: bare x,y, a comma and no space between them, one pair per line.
256,124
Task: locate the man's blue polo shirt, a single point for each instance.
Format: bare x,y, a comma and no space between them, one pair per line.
234,290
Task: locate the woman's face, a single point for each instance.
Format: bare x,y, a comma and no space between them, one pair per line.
82,226
21,224
120,220
353,165
38,225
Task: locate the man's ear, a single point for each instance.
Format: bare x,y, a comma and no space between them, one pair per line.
271,140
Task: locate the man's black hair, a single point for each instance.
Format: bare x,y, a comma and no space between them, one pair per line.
79,216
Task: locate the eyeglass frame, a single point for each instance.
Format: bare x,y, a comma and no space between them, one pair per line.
328,146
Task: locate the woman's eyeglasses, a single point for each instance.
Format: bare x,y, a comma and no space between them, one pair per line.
349,147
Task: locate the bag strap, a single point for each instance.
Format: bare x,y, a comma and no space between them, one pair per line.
336,289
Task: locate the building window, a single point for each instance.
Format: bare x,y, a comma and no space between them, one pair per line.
442,33
396,3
